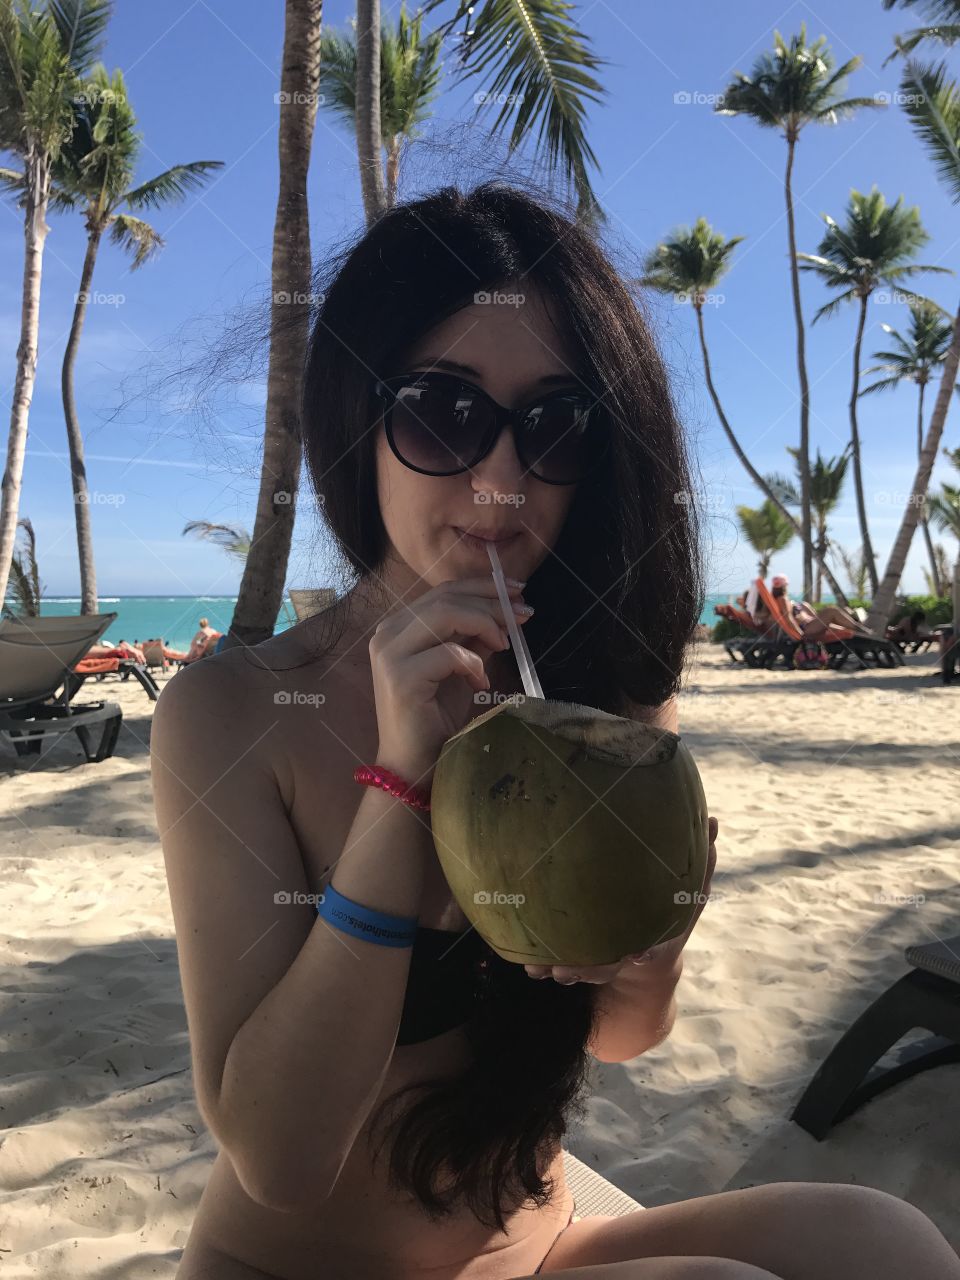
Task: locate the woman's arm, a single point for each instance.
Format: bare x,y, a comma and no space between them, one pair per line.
292,1022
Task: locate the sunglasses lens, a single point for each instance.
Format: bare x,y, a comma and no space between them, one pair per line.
560,439
438,426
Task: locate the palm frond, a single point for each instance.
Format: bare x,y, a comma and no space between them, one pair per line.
234,539
171,185
539,67
136,237
933,104
82,25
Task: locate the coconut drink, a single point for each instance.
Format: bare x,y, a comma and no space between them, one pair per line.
569,835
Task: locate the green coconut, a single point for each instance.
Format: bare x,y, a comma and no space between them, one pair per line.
568,835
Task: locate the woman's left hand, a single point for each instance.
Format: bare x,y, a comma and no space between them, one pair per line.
660,958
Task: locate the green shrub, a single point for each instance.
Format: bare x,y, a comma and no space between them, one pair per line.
725,629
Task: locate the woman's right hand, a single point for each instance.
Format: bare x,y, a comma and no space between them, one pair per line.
428,662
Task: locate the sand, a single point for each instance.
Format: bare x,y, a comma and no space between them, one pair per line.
839,845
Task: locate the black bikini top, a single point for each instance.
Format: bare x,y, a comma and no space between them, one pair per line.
445,967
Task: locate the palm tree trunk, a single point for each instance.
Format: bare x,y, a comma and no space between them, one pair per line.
883,601
821,552
804,457
37,193
368,109
868,554
78,473
261,588
939,587
393,168
748,466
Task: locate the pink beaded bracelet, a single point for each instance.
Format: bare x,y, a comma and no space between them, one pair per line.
375,776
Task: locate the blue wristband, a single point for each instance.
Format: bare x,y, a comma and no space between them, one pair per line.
363,922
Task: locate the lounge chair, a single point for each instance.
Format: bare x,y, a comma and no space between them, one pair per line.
928,997
843,644
100,667
761,647
949,654
36,658
592,1193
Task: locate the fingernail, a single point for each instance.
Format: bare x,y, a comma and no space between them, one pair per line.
514,583
569,982
524,608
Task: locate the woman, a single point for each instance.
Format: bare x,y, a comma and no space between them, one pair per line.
202,643
347,1149
824,622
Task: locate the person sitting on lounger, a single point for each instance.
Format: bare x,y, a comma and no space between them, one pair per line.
910,629
203,642
122,649
822,623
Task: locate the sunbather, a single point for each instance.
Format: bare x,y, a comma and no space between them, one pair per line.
910,628
822,623
203,642
122,649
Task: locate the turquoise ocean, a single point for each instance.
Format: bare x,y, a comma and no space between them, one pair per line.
175,618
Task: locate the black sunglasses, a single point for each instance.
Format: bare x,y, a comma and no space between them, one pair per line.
440,425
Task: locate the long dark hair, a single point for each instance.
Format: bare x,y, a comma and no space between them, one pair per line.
617,600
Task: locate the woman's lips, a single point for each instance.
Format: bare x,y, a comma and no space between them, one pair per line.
480,544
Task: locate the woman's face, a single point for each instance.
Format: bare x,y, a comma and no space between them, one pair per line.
509,350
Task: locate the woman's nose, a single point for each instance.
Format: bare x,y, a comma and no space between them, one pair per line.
501,470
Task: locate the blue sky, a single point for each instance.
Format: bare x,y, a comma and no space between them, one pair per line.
202,75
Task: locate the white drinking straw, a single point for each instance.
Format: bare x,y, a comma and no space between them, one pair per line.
528,675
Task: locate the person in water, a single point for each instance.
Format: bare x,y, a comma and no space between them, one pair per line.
389,1097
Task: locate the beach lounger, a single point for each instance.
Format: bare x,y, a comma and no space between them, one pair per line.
593,1194
36,658
865,650
927,997
100,667
759,648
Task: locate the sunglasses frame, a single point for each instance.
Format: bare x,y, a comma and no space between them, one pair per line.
387,388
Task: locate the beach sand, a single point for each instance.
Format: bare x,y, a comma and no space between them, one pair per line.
836,796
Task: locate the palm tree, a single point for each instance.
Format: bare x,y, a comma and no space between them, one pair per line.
367,113
914,360
766,531
409,81
24,587
945,513
873,247
855,567
261,587
826,484
92,175
537,67
43,55
688,265
932,103
788,89
937,585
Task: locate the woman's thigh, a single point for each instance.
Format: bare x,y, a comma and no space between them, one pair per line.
796,1230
